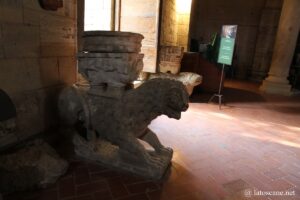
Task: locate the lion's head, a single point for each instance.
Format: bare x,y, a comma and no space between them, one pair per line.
176,101
160,97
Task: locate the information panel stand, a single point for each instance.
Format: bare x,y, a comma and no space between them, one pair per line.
225,55
219,95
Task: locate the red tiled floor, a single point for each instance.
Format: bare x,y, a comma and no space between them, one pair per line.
252,143
106,194
117,188
275,174
92,187
66,187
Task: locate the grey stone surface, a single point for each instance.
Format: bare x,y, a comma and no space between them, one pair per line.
116,69
110,58
112,41
114,125
35,166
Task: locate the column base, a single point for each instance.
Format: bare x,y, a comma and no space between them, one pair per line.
271,87
258,76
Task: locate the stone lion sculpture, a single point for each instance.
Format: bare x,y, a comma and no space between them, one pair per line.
118,125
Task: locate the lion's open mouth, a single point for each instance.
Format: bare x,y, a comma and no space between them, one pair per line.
176,112
173,114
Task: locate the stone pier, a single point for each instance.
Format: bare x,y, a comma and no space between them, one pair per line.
285,44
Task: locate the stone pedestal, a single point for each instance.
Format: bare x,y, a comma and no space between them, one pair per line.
110,61
285,44
109,155
110,73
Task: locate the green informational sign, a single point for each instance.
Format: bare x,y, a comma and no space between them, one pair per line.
227,44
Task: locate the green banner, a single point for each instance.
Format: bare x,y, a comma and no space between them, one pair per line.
227,44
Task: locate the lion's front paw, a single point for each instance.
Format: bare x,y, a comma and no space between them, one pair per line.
166,151
158,162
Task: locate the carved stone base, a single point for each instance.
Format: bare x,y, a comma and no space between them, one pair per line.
109,155
273,87
116,69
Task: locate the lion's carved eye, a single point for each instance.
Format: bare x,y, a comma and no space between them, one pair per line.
174,98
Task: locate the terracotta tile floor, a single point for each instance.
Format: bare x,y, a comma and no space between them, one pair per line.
251,145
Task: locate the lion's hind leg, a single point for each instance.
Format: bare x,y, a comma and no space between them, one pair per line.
151,138
133,146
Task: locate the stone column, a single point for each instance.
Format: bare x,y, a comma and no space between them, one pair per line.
265,40
284,48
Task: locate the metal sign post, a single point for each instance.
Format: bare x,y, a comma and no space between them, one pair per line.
219,95
225,54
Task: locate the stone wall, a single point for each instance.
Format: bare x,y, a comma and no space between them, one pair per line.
168,32
211,15
174,25
37,57
141,16
183,29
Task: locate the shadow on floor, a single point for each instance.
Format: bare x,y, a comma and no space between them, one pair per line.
292,109
231,95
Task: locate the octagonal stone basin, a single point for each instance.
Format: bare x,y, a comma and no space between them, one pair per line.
112,41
